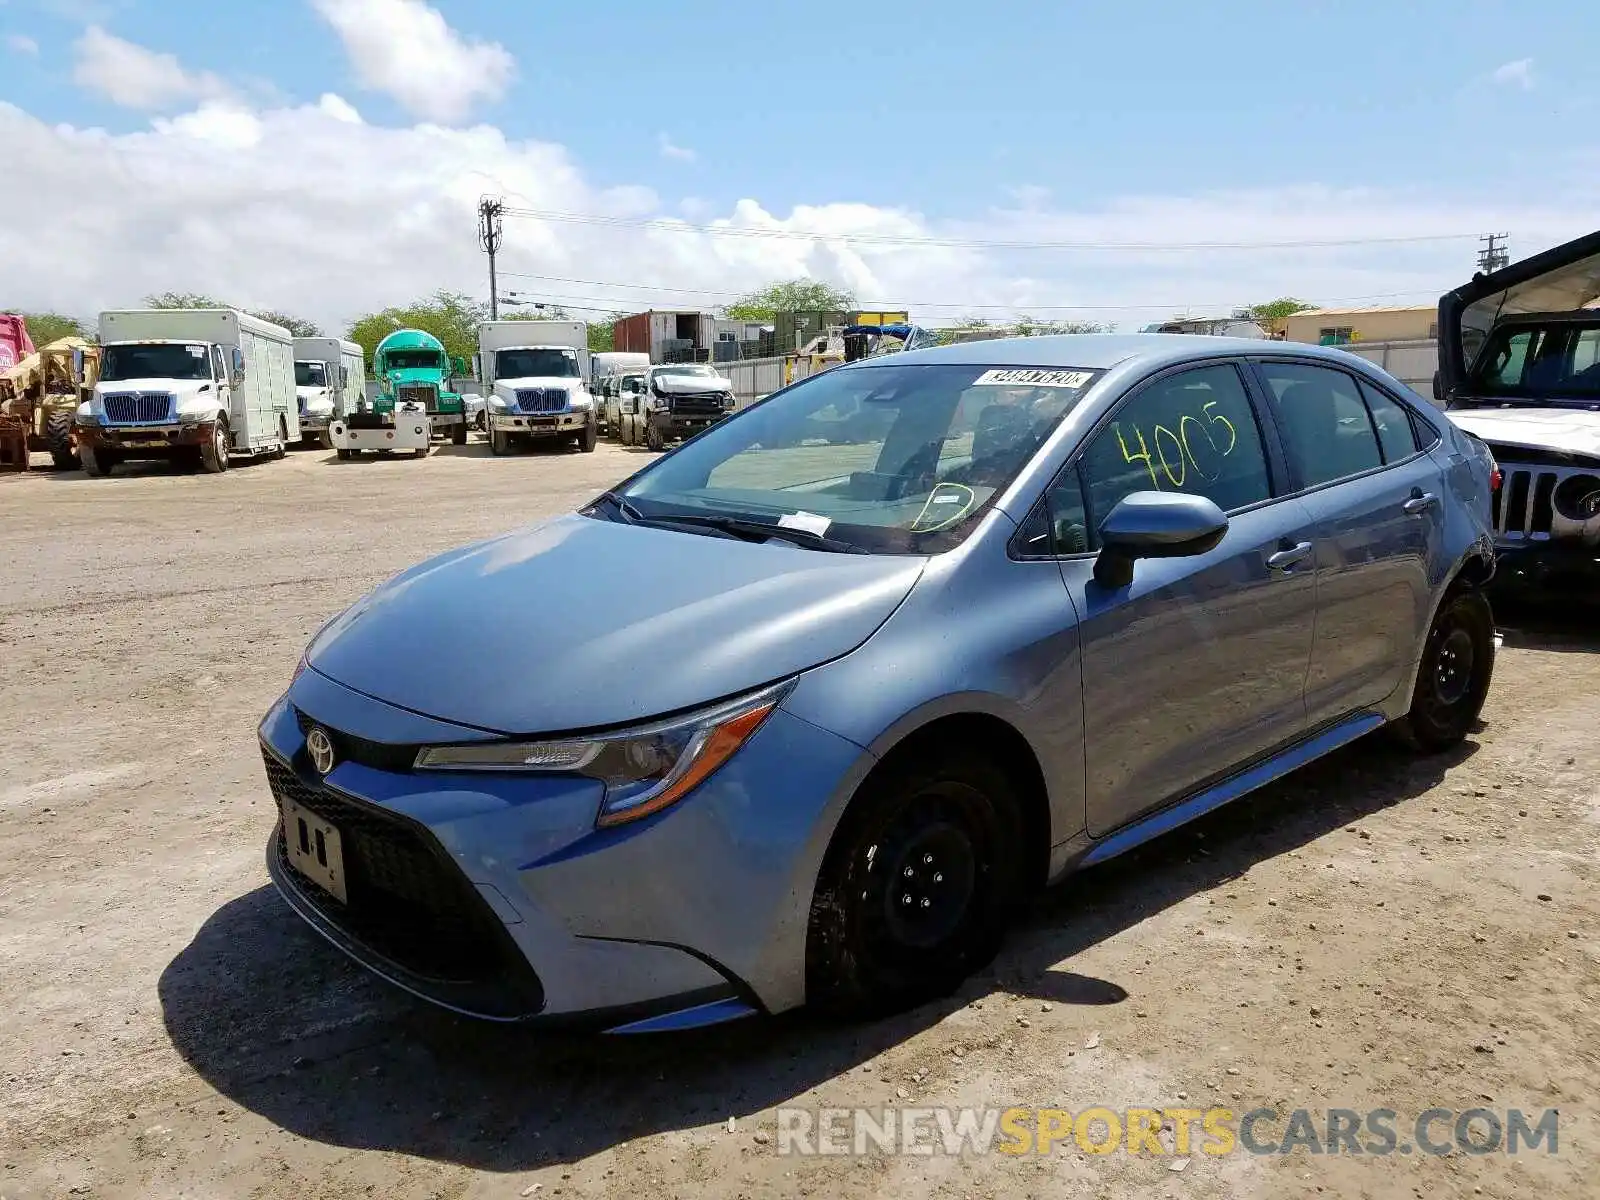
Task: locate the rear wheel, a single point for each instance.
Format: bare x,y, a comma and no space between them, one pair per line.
214,454
58,433
1453,680
916,886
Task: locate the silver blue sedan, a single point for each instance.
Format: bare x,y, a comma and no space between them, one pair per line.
816,701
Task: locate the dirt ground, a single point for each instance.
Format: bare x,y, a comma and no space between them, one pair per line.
1374,933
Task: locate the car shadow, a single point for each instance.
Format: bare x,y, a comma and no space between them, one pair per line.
286,1027
1571,627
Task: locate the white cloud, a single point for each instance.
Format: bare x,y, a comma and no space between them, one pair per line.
406,49
670,150
21,43
135,77
1518,73
310,210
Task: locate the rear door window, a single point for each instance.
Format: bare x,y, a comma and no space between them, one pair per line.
1327,430
1396,438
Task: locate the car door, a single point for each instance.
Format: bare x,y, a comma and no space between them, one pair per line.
1377,501
1199,666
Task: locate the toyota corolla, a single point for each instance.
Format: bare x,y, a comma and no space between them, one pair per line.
822,696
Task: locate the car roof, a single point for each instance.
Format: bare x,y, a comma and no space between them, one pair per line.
1101,351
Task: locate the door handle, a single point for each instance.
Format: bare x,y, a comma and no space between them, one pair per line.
1284,559
1420,502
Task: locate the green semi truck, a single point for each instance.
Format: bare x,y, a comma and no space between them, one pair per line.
411,366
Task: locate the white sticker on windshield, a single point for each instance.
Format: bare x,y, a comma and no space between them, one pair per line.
1032,377
809,522
196,351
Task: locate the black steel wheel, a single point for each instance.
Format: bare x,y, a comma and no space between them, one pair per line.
1453,678
916,887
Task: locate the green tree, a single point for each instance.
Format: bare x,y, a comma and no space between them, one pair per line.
792,295
451,317
46,327
298,326
1274,313
602,336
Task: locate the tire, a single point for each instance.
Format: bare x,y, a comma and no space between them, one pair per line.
347,454
420,452
589,438
625,433
458,433
917,886
652,437
325,440
481,422
98,463
281,450
1453,678
214,454
499,443
58,433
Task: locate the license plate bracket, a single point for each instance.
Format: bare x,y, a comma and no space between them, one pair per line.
315,848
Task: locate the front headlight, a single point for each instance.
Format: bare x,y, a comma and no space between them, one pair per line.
497,403
195,416
644,769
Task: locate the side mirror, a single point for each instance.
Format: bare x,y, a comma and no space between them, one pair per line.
1155,525
1438,388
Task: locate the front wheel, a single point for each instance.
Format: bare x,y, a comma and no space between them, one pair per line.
347,454
58,433
652,437
1453,679
214,454
589,438
916,887
98,463
499,443
458,433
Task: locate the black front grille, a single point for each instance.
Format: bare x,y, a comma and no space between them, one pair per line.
409,902
704,405
424,394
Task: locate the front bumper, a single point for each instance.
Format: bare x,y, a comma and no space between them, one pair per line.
513,905
144,438
686,425
540,424
314,422
1567,570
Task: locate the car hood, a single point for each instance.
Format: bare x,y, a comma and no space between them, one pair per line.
314,396
1563,430
578,623
507,389
691,385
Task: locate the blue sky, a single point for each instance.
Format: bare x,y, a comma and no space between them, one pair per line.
1338,120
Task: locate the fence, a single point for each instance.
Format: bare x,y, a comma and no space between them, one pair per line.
1412,361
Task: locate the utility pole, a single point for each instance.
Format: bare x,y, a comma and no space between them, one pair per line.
489,237
1494,254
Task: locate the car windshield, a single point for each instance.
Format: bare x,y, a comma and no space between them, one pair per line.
413,360
1547,361
310,374
158,361
633,383
546,362
889,459
693,370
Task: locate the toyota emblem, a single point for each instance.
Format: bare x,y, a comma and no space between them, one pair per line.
320,746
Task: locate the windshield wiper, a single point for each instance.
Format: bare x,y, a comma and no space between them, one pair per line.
762,530
630,514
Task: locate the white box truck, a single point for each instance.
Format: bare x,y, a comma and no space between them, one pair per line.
330,380
191,385
536,375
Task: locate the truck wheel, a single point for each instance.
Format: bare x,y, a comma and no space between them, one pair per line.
458,433
499,443
625,433
98,463
589,437
347,454
214,454
58,432
325,440
652,437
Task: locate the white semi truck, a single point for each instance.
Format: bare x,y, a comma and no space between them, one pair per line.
330,380
195,386
536,379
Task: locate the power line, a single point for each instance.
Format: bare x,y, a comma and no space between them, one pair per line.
490,235
954,304
1495,253
886,239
